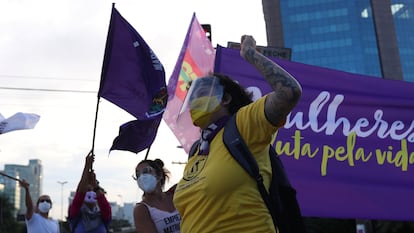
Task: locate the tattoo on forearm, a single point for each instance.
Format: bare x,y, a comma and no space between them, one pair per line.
281,82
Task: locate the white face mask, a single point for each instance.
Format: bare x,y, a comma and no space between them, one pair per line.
44,207
147,182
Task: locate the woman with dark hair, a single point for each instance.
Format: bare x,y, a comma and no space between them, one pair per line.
156,212
215,193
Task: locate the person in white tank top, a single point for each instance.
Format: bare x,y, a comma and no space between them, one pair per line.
156,212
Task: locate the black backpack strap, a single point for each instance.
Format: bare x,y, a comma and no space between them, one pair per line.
238,148
193,149
291,220
241,153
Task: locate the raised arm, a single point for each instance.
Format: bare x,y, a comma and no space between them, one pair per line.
74,207
28,199
86,174
286,90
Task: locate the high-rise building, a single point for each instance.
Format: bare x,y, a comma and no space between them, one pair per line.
128,209
32,173
369,37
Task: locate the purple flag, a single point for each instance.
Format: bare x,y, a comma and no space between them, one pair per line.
133,79
348,146
136,135
132,76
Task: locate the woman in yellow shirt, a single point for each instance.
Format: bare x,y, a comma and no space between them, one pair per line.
215,193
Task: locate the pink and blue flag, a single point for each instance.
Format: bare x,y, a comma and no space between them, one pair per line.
195,60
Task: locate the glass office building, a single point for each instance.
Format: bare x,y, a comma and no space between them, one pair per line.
32,173
403,14
353,35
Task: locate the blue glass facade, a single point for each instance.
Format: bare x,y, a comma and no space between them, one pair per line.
403,13
341,35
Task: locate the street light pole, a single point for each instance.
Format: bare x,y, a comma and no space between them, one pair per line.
122,200
121,209
61,198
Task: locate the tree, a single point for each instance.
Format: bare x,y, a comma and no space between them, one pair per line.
393,226
118,224
8,222
329,225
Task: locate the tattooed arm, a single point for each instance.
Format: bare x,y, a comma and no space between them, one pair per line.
286,90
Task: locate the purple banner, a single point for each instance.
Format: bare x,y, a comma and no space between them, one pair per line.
348,145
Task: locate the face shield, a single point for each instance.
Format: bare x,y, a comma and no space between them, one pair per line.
204,95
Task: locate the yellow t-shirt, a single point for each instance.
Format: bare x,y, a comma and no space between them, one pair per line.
216,194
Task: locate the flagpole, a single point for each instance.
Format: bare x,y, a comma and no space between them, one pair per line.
103,73
11,177
146,155
94,127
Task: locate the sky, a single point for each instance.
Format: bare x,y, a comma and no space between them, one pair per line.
51,55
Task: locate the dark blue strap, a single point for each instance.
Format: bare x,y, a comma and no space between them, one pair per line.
286,218
193,149
241,153
238,148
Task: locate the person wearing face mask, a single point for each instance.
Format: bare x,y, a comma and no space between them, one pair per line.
156,212
90,211
216,194
37,219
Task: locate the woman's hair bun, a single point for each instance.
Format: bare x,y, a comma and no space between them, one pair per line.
159,162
